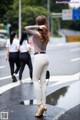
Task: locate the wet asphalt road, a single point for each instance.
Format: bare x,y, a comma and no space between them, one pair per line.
64,60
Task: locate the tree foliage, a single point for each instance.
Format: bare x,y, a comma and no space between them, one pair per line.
28,12
5,5
9,11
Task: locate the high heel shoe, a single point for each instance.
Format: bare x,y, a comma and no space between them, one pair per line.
40,112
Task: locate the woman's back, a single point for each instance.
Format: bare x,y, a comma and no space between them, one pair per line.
24,46
39,45
14,46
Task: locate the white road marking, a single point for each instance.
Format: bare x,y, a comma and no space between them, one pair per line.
35,101
7,77
8,87
75,59
59,79
64,79
27,102
1,67
59,114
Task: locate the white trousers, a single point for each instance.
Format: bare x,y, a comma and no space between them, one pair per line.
39,77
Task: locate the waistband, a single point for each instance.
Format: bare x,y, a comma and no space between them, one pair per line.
13,52
39,53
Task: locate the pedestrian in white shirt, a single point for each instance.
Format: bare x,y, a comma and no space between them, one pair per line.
12,54
25,57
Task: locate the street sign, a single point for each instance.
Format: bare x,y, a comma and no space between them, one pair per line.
71,14
67,14
76,14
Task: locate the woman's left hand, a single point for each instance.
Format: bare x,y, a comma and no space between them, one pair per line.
42,26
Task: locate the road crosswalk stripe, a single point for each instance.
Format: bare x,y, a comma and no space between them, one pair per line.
29,102
67,78
1,67
75,59
60,79
6,77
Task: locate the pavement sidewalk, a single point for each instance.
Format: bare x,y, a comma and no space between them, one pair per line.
72,114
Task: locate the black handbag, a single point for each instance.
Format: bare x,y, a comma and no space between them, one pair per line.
47,77
47,74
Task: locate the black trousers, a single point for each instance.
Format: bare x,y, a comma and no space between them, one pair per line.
25,58
14,60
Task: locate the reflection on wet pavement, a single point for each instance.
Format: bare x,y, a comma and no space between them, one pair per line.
54,97
66,97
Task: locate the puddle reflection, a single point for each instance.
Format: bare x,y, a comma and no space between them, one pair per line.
53,98
66,97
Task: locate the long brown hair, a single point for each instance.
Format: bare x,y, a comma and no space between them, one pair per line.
42,20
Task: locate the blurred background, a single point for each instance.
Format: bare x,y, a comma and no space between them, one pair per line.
63,17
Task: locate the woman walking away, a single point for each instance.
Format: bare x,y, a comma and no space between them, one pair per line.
40,33
12,55
25,57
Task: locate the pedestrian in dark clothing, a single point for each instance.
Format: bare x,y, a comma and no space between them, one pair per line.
25,57
12,54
